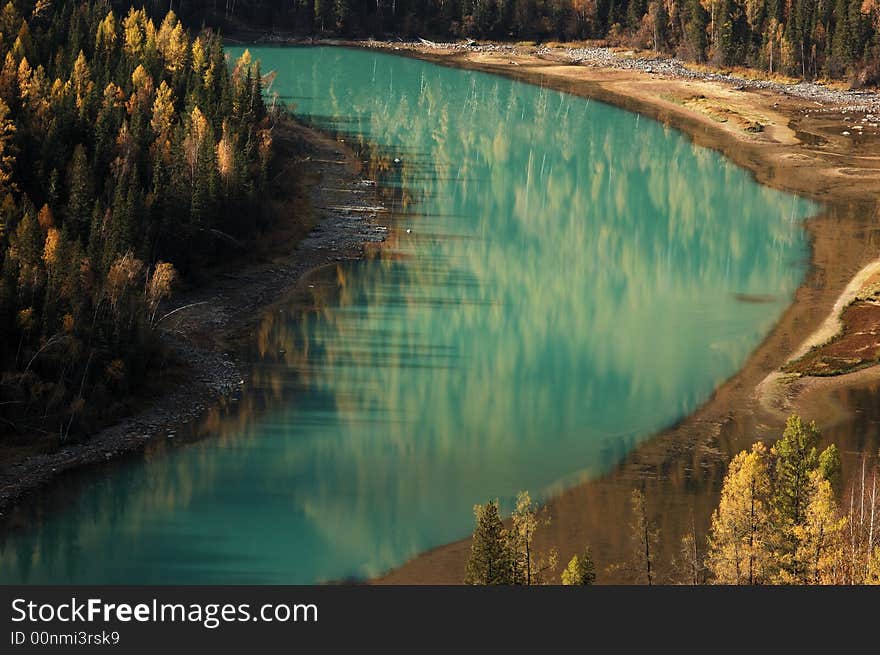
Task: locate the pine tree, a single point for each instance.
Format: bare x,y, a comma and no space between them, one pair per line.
695,20
172,44
796,457
660,24
778,521
87,104
489,562
133,34
105,44
80,198
27,246
724,45
635,11
580,570
830,466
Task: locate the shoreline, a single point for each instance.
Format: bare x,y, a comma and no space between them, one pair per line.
201,339
789,140
689,104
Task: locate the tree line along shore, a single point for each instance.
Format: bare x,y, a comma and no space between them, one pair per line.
121,135
783,519
804,38
131,153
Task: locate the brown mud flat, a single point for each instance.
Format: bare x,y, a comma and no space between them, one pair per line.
802,142
324,212
857,346
850,338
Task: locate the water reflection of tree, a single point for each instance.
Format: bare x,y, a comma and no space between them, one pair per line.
565,291
632,224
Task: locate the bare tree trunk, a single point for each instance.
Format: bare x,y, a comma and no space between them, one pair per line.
803,62
852,537
816,577
862,499
871,524
82,385
752,530
642,535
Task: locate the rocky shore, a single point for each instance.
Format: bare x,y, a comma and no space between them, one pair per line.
856,100
346,214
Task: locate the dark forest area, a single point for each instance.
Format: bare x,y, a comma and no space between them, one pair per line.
803,38
121,138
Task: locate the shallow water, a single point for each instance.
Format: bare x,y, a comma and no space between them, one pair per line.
563,279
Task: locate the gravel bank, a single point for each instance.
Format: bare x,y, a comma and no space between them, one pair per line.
671,67
349,215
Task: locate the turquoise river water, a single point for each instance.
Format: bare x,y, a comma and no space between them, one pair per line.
565,279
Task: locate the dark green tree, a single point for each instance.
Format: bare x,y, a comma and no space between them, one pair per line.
489,562
695,20
796,458
80,199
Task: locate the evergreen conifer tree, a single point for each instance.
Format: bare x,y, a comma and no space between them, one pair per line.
489,562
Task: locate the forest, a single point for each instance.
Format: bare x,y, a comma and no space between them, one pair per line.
120,139
803,38
784,518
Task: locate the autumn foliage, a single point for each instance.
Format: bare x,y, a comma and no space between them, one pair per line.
780,519
129,151
806,38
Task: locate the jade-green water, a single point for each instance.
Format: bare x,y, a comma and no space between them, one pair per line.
575,277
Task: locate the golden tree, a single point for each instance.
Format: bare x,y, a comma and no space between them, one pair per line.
7,159
143,88
199,58
163,112
820,536
105,37
226,157
739,535
172,43
580,570
133,33
159,288
528,566
195,139
121,277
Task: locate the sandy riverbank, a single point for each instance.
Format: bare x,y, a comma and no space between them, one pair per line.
325,212
808,139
